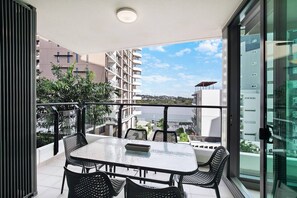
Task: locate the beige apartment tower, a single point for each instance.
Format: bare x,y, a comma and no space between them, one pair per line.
120,68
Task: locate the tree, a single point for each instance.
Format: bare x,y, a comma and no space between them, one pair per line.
180,131
69,87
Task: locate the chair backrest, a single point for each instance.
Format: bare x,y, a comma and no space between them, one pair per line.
159,136
136,134
96,184
134,190
217,161
73,142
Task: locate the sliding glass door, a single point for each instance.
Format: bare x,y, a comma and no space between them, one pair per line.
250,95
281,98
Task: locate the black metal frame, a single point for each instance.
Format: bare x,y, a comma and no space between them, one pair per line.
231,33
54,106
154,105
17,99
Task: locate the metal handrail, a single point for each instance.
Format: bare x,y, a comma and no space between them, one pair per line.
81,115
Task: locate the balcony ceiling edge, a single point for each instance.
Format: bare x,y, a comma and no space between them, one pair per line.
91,26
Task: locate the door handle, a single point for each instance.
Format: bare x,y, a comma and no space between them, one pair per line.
266,134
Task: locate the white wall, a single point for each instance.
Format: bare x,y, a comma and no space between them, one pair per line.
210,118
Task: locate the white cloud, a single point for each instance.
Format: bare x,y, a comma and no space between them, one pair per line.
178,67
153,62
183,52
185,76
209,46
160,65
218,55
157,48
156,78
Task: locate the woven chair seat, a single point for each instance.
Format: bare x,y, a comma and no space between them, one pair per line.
159,136
136,134
210,178
71,143
134,190
117,185
88,165
92,185
205,179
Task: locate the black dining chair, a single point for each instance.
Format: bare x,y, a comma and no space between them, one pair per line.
210,178
159,136
133,190
71,143
92,185
136,134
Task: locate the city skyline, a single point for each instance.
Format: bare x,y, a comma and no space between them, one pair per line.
175,69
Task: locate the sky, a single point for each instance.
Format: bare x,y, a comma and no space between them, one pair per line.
174,70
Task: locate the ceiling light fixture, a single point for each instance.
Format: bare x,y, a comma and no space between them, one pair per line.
126,15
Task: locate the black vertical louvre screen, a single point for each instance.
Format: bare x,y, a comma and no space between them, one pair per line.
17,100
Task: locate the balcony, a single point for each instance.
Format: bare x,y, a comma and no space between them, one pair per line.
137,98
137,91
50,178
137,76
137,62
50,168
137,69
136,83
138,55
137,49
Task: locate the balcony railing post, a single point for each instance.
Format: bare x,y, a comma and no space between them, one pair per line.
83,119
56,130
120,121
165,123
221,124
78,119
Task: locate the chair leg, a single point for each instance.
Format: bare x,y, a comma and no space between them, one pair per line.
64,176
217,191
144,175
140,176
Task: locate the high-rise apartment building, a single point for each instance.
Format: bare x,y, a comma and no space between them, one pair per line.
120,68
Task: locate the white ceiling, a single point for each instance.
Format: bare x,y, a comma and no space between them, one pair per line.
91,26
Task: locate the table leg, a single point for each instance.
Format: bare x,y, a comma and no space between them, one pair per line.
180,186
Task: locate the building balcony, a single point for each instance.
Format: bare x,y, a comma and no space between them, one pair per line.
137,91
50,168
137,69
137,62
137,98
138,55
136,112
137,76
137,49
137,83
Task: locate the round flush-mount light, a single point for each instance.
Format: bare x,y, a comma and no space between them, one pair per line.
126,15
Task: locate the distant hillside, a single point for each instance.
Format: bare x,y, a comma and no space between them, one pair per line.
171,100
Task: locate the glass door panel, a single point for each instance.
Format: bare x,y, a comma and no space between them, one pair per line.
250,110
281,98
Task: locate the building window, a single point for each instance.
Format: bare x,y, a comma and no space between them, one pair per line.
76,58
68,57
58,55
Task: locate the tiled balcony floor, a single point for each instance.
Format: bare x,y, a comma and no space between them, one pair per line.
50,173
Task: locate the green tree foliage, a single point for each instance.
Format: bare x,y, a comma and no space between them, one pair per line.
248,147
183,137
179,131
160,124
70,87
